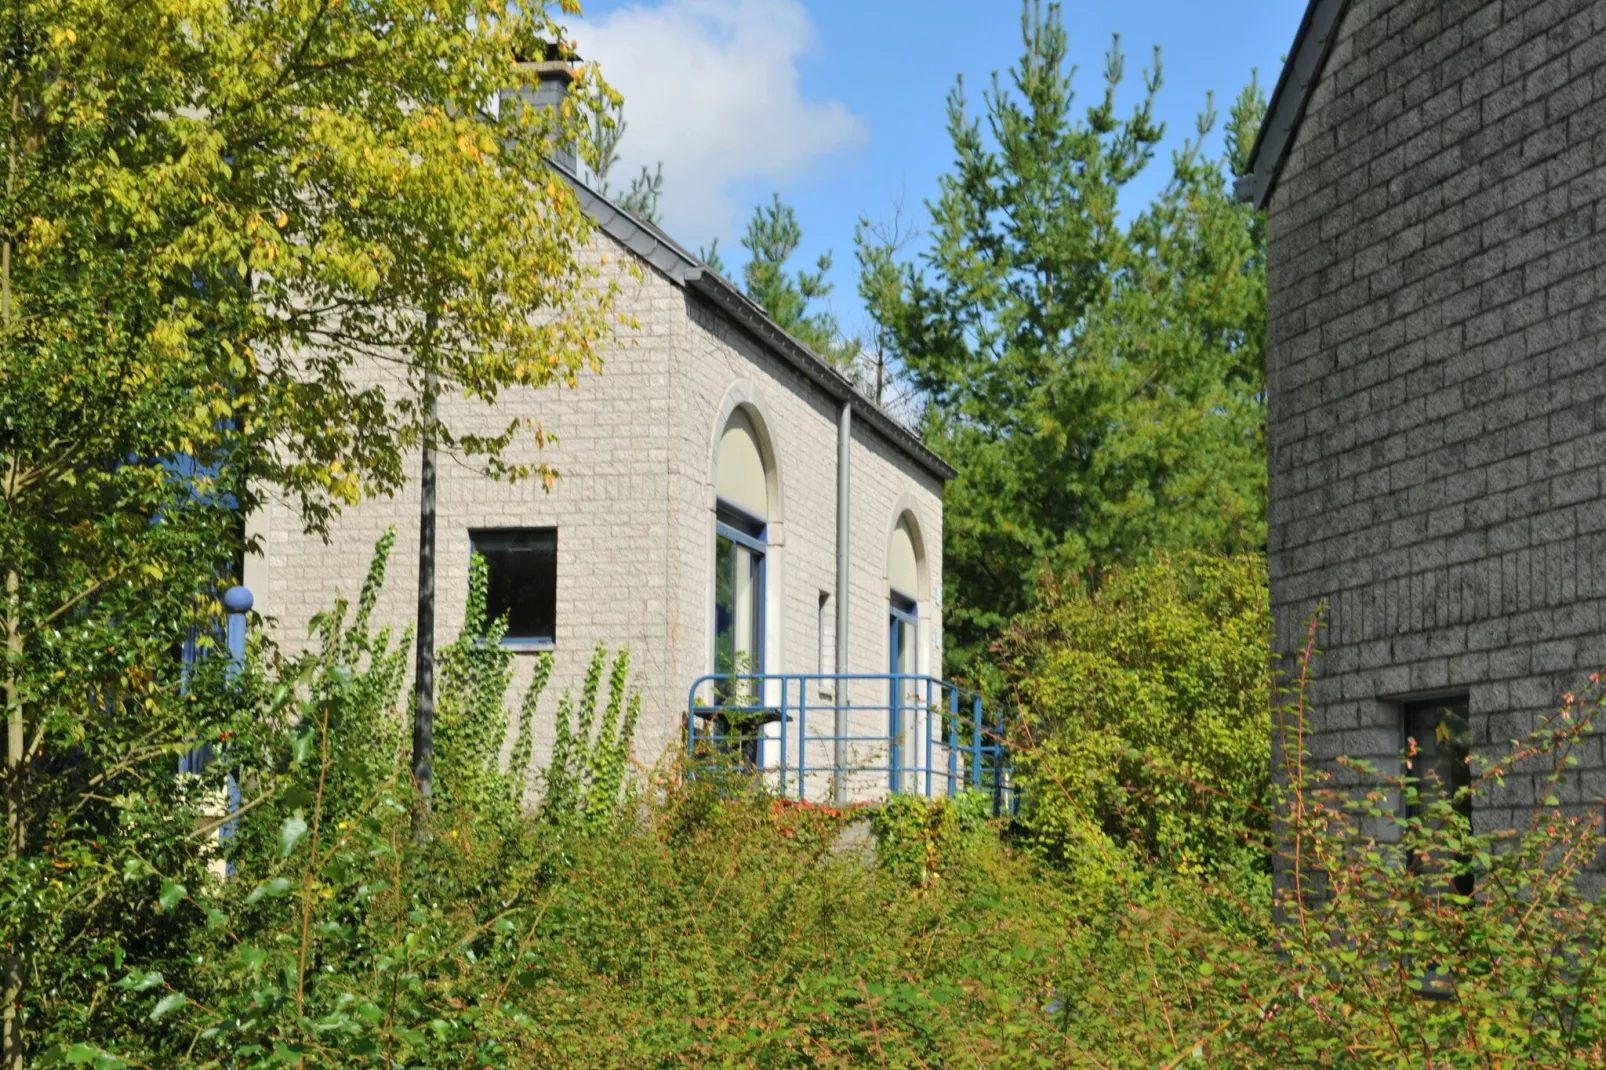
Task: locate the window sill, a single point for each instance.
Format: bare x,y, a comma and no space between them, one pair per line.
528,646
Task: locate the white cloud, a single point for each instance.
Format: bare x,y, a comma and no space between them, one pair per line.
711,90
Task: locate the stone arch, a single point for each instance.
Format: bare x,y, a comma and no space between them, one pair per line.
743,402
905,524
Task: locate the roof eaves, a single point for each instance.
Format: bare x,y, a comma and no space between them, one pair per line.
681,267
752,316
1312,44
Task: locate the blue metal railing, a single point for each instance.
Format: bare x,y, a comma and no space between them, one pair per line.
854,737
237,603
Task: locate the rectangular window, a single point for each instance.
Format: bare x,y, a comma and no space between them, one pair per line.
819,660
1440,729
522,567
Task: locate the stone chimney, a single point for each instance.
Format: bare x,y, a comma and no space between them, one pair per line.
549,77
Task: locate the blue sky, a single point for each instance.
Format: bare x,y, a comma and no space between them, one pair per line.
839,104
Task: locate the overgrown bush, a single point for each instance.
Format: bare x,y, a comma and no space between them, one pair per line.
702,921
1145,713
918,838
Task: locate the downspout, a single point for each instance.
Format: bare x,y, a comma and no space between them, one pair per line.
844,445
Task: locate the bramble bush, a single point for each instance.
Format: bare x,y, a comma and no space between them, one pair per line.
692,921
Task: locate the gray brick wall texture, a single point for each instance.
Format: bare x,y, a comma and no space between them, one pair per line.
1437,377
634,509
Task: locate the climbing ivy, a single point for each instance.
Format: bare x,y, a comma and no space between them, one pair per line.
587,771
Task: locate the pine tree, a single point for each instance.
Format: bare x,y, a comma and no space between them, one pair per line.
773,235
1097,382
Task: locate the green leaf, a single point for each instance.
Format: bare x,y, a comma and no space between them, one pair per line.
141,982
167,1005
291,833
270,889
301,744
172,893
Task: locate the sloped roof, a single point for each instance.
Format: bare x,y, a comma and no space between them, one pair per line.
1317,31
672,260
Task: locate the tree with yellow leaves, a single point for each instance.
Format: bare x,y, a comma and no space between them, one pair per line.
244,247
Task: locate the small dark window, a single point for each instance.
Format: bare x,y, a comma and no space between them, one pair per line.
522,564
1440,767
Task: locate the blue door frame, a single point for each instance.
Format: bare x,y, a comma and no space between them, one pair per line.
901,612
747,532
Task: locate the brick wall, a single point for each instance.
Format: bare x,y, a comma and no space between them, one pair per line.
634,509
1437,417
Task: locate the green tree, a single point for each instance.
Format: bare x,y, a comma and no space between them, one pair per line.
257,272
606,130
1147,704
773,235
1096,382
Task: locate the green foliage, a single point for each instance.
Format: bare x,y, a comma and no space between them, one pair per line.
216,221
471,720
773,235
1096,378
1146,707
918,838
587,771
306,189
722,926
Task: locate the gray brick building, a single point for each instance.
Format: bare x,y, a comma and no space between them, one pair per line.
1434,173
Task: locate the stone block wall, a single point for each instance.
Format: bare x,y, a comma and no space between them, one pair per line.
634,509
1437,373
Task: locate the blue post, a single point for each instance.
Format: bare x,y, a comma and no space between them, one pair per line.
237,602
926,713
895,755
953,741
781,786
975,743
802,736
998,767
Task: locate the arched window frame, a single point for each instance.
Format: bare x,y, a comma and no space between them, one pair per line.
756,535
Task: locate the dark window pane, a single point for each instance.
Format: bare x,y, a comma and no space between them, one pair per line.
522,566
1440,767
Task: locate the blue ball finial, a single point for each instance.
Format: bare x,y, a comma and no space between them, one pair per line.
237,600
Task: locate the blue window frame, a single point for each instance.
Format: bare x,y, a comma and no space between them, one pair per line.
739,578
902,630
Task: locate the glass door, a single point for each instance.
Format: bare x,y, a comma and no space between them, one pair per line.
738,607
903,701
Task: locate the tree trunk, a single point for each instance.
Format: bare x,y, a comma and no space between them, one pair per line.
424,666
16,826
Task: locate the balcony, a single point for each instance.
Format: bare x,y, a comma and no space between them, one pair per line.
853,738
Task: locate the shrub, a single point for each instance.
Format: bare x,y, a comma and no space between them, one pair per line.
1145,712
719,925
918,838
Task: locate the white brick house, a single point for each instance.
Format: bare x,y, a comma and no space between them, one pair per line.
712,442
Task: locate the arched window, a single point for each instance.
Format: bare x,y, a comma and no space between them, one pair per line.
741,486
903,581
